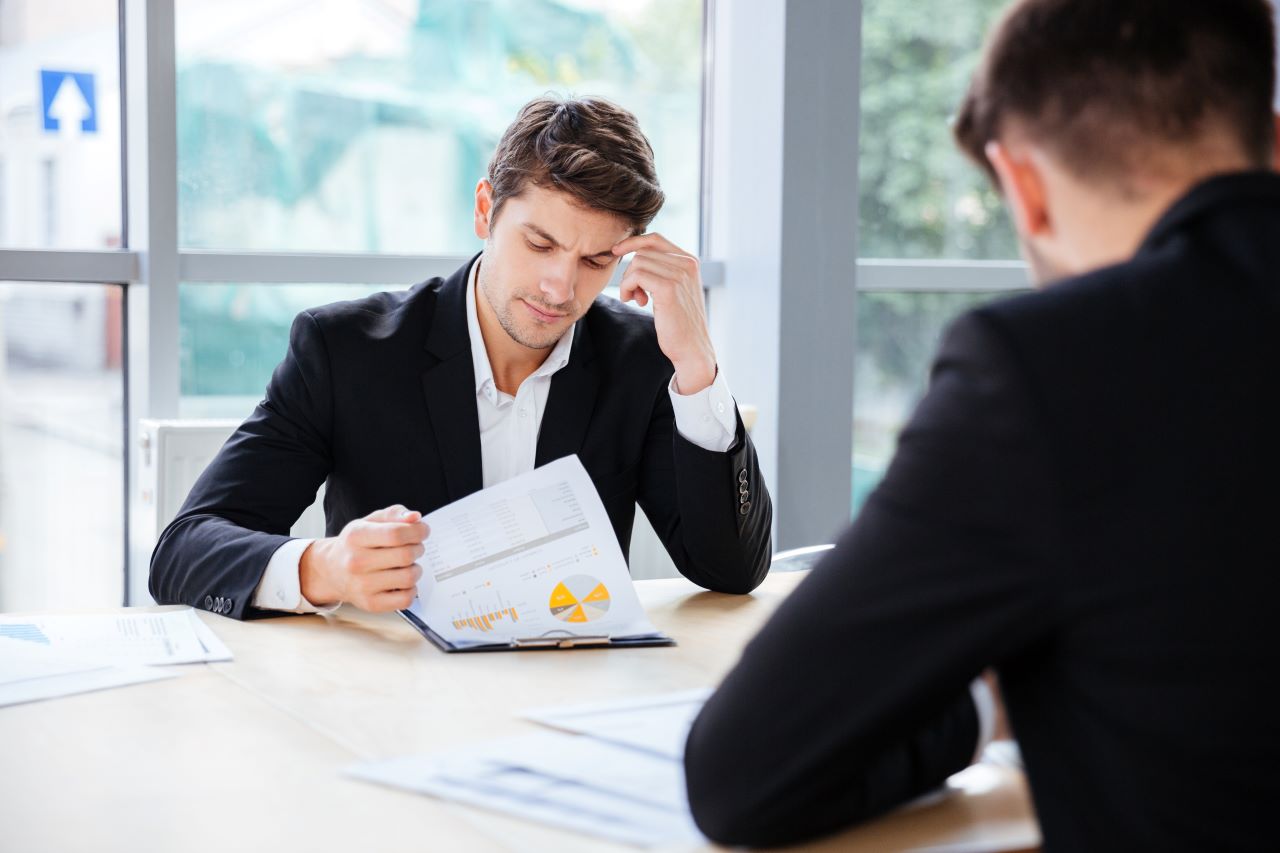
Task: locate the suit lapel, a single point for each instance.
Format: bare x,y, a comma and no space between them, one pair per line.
450,389
570,402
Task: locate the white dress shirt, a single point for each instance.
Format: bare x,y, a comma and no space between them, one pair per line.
509,439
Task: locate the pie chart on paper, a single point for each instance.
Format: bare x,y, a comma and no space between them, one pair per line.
579,598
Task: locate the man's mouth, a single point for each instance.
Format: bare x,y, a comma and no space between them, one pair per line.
542,315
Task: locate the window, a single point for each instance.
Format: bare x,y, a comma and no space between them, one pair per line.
60,124
231,336
920,198
61,445
362,126
920,201
898,334
304,131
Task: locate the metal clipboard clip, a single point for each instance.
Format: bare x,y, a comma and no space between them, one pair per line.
561,642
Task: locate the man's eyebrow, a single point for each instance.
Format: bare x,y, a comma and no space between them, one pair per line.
607,253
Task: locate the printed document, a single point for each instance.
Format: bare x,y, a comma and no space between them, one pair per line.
576,783
31,670
126,637
531,560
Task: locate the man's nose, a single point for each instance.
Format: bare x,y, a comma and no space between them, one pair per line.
557,284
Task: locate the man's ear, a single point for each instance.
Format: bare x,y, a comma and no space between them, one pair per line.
484,208
1023,187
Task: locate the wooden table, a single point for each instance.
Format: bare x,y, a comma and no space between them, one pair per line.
248,755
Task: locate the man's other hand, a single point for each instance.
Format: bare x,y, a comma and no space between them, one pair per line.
666,275
370,564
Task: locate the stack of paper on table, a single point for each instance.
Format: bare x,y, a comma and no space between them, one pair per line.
622,779
620,775
49,655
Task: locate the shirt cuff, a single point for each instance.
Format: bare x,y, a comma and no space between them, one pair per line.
708,418
985,704
281,587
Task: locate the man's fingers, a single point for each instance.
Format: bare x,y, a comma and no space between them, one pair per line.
391,589
629,290
371,560
659,267
647,241
376,534
395,512
384,602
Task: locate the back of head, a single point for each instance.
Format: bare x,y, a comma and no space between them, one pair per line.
589,148
1116,89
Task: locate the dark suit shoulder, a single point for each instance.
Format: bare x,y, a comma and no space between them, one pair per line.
379,316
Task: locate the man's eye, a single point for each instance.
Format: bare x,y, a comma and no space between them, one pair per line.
537,248
595,265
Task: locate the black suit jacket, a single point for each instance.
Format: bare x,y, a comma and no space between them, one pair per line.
1086,499
377,398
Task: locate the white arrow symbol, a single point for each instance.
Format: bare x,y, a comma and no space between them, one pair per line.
69,107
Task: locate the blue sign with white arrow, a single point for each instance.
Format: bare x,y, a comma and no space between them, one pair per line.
70,101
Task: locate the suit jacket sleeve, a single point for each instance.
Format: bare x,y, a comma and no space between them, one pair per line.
711,510
243,505
853,699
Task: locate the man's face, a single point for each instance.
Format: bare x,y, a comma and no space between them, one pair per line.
546,259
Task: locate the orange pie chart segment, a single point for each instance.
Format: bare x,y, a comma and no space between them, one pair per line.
579,598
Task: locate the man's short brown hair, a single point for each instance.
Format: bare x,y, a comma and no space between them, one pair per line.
586,147
1101,82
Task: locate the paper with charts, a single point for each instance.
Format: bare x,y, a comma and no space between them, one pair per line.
533,560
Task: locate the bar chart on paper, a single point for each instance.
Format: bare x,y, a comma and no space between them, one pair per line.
23,631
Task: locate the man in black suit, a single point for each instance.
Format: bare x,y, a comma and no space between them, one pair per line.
404,402
1085,500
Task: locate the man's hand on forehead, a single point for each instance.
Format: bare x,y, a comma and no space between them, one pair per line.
664,274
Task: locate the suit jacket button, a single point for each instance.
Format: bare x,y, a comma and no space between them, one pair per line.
742,498
745,508
742,476
226,606
208,602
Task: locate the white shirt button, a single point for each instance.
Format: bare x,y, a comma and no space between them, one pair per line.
720,408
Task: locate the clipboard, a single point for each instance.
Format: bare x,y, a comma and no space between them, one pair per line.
554,641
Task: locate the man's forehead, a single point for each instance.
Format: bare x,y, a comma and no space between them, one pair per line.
589,231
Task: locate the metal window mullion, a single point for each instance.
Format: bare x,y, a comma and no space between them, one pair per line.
47,265
200,267
151,223
941,276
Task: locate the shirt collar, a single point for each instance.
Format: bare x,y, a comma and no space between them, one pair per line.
483,370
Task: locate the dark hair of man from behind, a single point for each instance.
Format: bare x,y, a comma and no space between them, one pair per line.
586,147
1103,83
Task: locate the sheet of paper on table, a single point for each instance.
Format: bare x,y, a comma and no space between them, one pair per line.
657,724
572,782
30,671
532,558
125,638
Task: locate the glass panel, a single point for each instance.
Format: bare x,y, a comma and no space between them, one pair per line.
59,124
898,335
920,198
231,336
343,126
61,446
